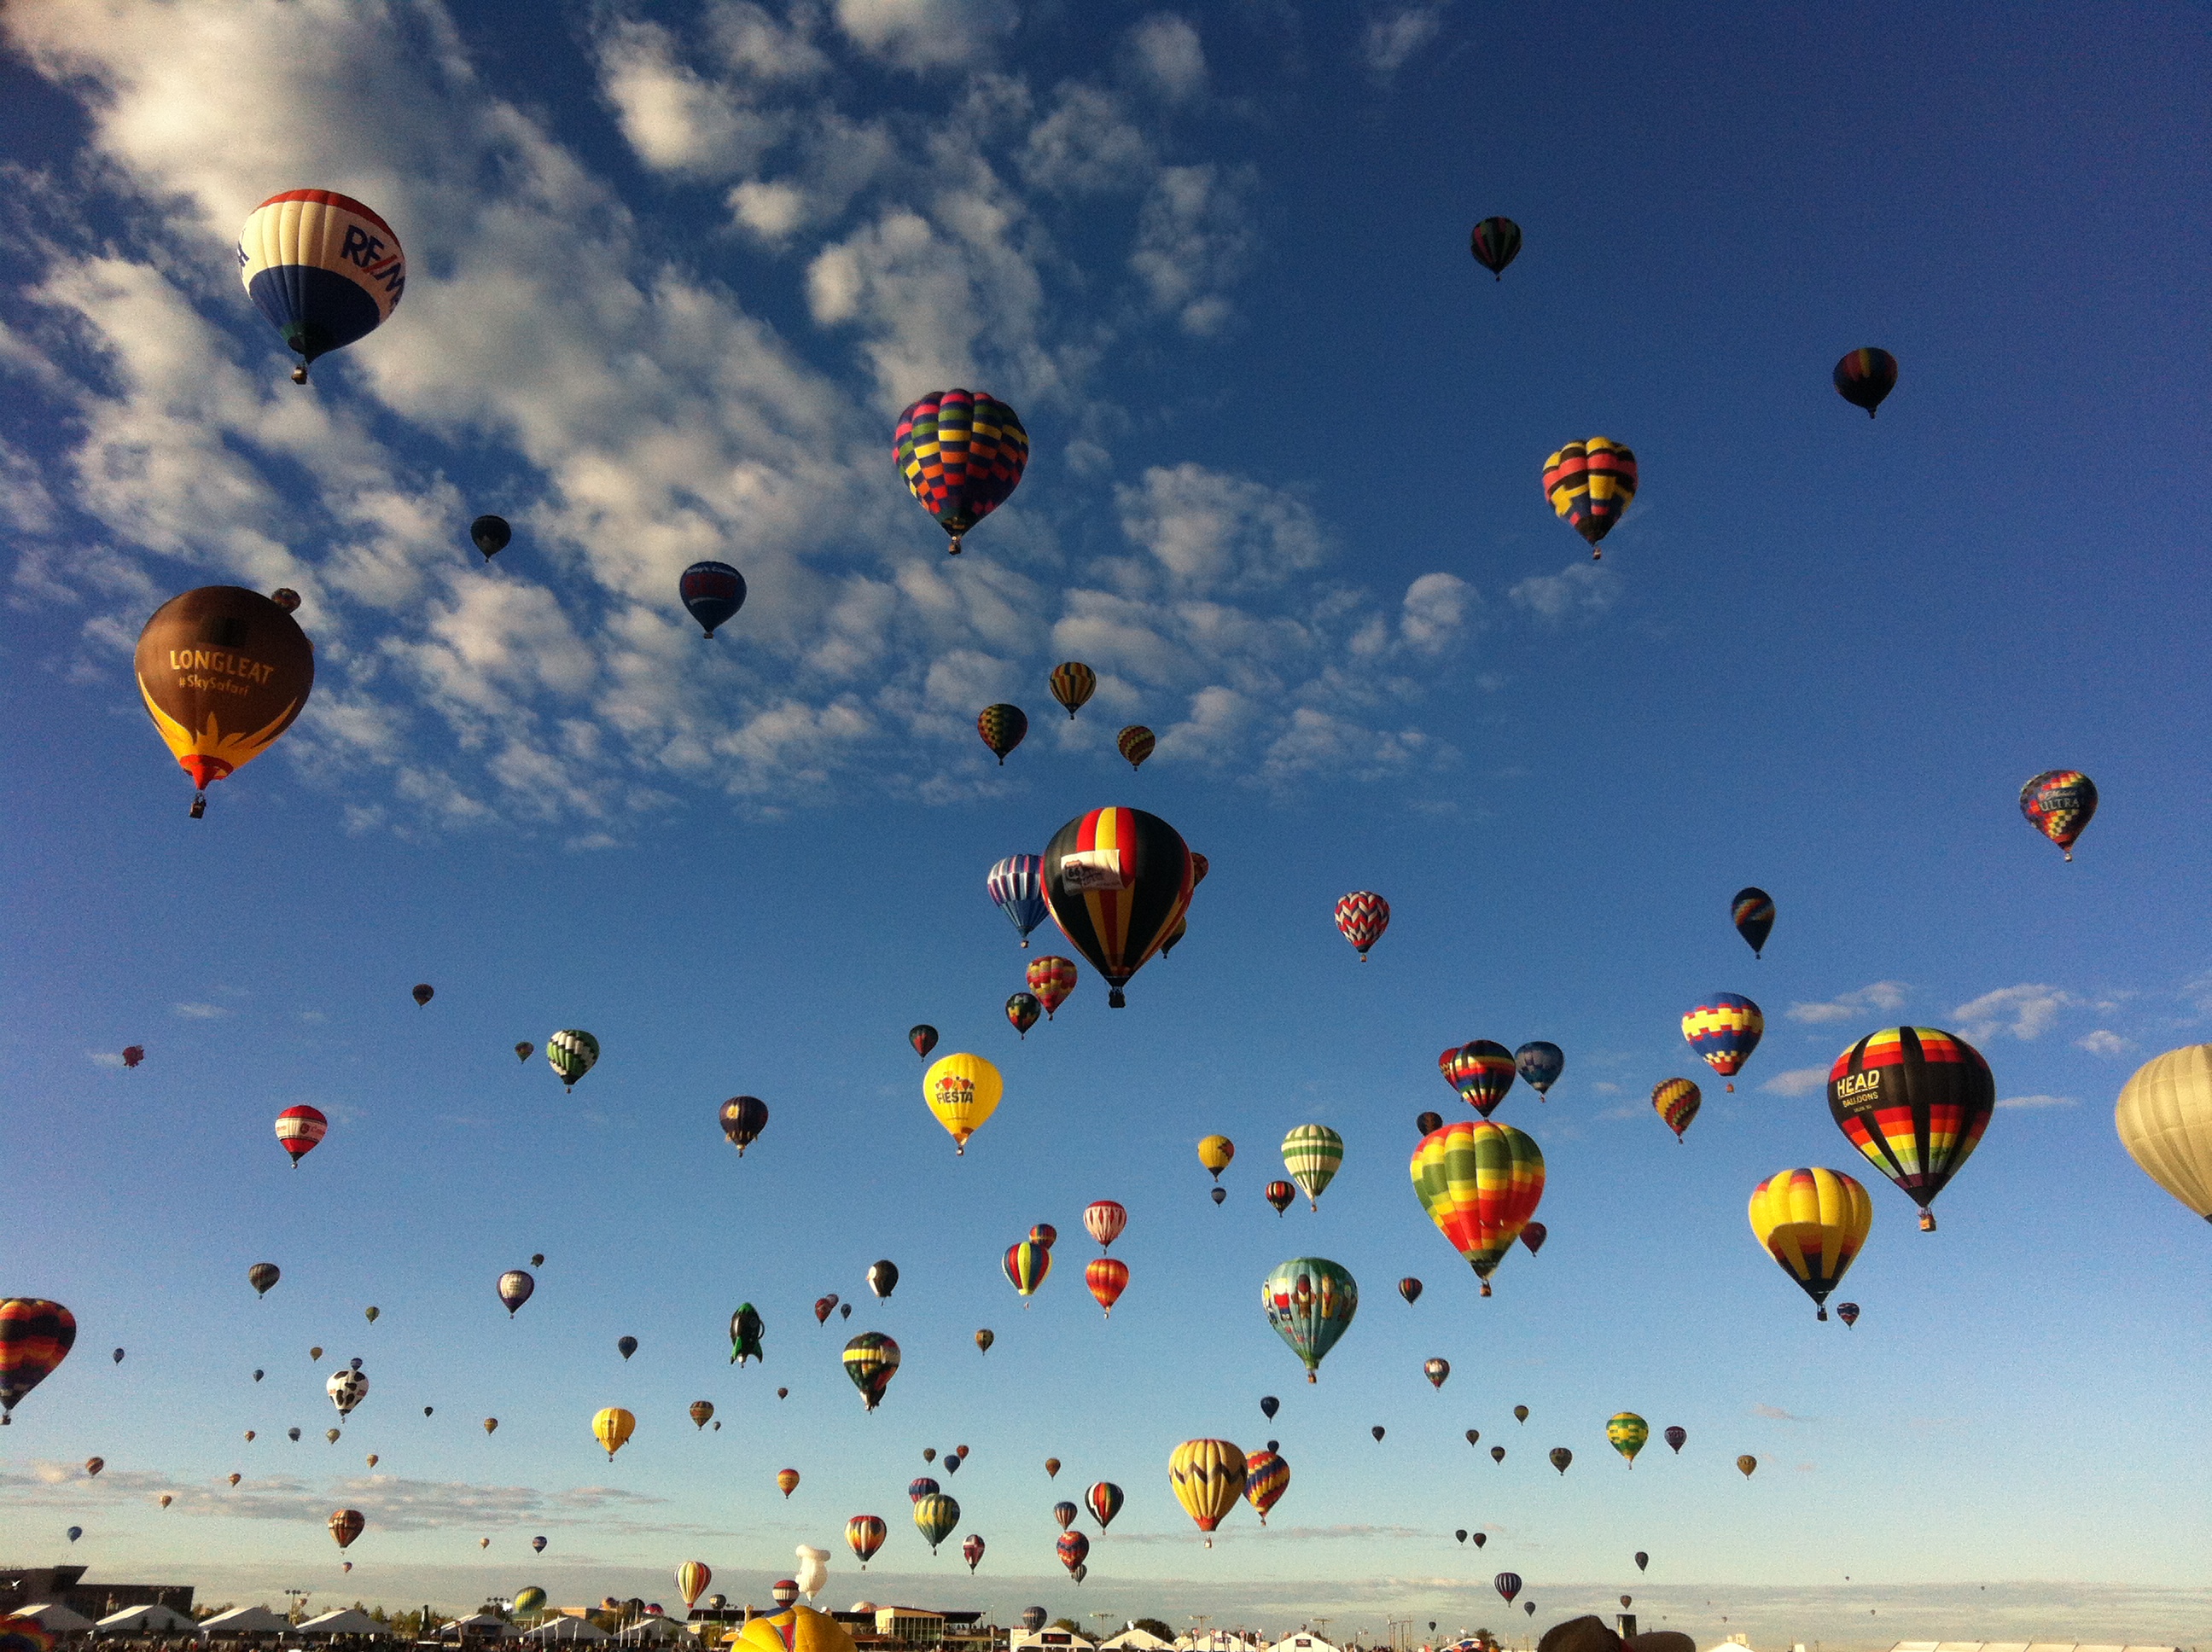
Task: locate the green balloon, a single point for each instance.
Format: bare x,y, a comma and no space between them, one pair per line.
1310,1301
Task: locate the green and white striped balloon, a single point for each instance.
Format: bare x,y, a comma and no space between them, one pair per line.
571,1051
1311,1153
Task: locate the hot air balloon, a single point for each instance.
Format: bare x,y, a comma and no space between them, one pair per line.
984,1342
133,1054
1052,978
490,1423
1495,243
1626,1432
1072,1548
1016,884
963,1090
1480,1183
823,1307
94,1465
971,1551
872,1359
166,1499
525,1050
744,1117
923,1038
371,1314
712,593
1865,376
1208,1477
514,1289
1508,1585
298,1130
863,1535
1475,1436
234,1479
345,1525
1753,913
1725,1029
745,1331
1532,1235
314,1353
1073,683
490,535
786,1481
263,1276
1033,1613
118,1356
1561,1457
2164,1116
921,1487
1021,1012
1267,1477
1540,1065
882,1278
423,993
1676,1100
625,1346
703,1411
1481,1071
1052,1468
1589,484
332,1435
1135,742
1214,1153
75,1533
322,269
2059,803
1108,1278
1104,1501
612,1428
1745,1464
573,1053
1424,1122
1118,880
1915,1101
1281,1195
1435,1370
962,453
346,1389
1311,1302
1676,1436
1498,1454
1362,916
1849,1313
1410,1289
1002,728
223,672
530,1599
1065,1513
1813,1222
934,1517
537,1544
1311,1153
1105,1219
1026,1265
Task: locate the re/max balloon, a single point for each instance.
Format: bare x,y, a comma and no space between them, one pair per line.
322,269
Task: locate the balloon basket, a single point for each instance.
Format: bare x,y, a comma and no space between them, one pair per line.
1927,1220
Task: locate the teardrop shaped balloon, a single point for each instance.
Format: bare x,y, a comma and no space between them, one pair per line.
1268,1407
1311,1302
786,1481
1642,1560
262,1277
1724,1029
1532,1235
223,672
1073,683
1540,1065
971,1551
1747,1465
1118,881
1437,1371
490,535
2164,1117
1508,1585
1065,1513
515,1288
525,1050
1410,1289
1214,1153
1424,1122
1051,978
1207,1477
1498,1454
962,1092
872,1359
962,453
323,269
1312,1153
743,1119
1107,1276
1281,1195
1676,1436
923,1038
423,993
1015,886
1520,1413
1135,744
1361,918
1267,1477
1625,1432
299,1129
984,1342
1915,1101
1104,1220
1026,1266
1052,1468
1813,1222
2059,803
712,593
1480,1183
1561,1457
612,1427
1752,912
1002,728
1849,1313
625,1346
1677,1100
1022,1012
1589,484
573,1053
1865,377
1482,1070
1072,1548
1495,242
346,1524
703,1411
863,1535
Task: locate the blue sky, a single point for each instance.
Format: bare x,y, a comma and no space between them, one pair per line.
673,270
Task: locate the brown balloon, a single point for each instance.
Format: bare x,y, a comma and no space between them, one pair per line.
223,672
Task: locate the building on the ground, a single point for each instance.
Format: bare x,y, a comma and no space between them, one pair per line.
30,1586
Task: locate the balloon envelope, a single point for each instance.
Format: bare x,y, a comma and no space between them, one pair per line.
1207,1477
962,453
1812,1222
1865,377
712,593
962,1092
1753,913
223,672
1915,1101
1540,1065
2164,1117
1480,1183
1118,881
322,269
1015,886
2059,803
1311,1302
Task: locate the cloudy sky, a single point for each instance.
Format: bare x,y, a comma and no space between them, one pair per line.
673,270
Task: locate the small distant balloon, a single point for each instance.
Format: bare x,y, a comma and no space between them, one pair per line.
525,1050
133,1054
1002,728
2060,802
1561,1457
424,992
1495,242
1270,1406
1747,1465
1281,1195
1410,1289
1676,1436
1753,913
1533,1234
923,1038
490,535
1865,377
1362,916
984,1342
1377,1432
1428,1123
1135,742
712,593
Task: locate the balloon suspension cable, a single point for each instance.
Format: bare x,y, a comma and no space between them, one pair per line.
1927,1220
199,804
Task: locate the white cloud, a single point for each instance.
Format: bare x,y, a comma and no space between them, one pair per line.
105,1059
1396,35
1208,531
1798,1081
755,45
1170,58
772,211
1578,591
2103,1042
1194,236
1436,611
676,119
1881,997
923,35
1086,146
2025,1012
2037,1100
200,1011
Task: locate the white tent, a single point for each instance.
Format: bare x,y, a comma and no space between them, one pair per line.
344,1621
246,1620
145,1622
650,1629
565,1629
1302,1642
1135,1640
478,1626
56,1618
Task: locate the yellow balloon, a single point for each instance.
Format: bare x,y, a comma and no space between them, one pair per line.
1214,1153
2165,1122
1208,1477
1812,1222
613,1428
810,1632
963,1090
